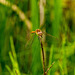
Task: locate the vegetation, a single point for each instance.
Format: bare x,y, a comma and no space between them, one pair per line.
23,53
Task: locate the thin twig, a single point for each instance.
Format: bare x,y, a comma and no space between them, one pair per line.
43,56
45,73
49,68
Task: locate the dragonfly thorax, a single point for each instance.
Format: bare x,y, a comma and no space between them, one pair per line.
39,32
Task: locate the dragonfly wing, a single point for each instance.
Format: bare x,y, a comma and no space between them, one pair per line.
30,41
50,35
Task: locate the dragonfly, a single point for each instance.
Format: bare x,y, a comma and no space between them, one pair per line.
40,34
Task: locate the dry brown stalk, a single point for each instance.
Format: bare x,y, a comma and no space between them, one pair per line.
45,73
43,56
49,68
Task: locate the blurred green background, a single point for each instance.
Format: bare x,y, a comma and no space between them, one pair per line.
20,51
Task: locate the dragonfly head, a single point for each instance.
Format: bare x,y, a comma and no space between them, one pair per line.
39,32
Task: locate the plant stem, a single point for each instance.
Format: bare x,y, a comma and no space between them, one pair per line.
43,56
45,73
49,68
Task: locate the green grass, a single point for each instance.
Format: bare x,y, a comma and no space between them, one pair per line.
36,51
13,58
15,32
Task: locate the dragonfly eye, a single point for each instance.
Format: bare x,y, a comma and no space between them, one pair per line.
38,30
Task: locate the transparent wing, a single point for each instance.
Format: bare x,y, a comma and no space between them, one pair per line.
30,41
27,47
50,35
